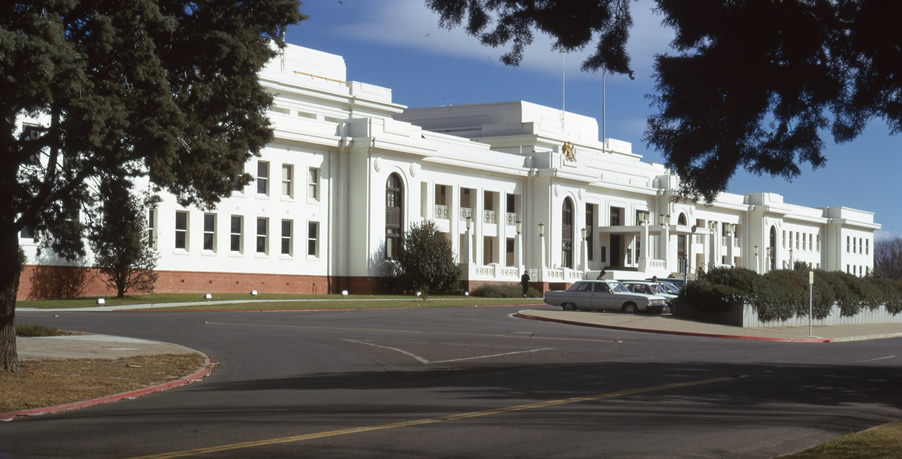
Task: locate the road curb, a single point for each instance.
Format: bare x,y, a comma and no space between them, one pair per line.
676,332
204,371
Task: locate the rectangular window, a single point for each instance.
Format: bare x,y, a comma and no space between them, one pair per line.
262,233
26,233
313,239
181,230
313,183
262,177
604,254
152,228
616,216
210,232
286,237
867,246
235,239
848,248
287,180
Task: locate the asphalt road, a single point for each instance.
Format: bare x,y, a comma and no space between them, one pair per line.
468,382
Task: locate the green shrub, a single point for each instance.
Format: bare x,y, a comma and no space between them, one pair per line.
892,293
708,296
426,262
505,291
782,294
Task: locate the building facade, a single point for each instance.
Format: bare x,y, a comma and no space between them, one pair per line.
515,186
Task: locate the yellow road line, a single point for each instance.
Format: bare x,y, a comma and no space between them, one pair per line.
418,422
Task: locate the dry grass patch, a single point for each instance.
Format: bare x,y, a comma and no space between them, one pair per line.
880,442
45,383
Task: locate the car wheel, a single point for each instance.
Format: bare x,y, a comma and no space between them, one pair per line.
630,308
568,307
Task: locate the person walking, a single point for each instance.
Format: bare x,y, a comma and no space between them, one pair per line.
524,282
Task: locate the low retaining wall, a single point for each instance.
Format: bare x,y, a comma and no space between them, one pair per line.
746,316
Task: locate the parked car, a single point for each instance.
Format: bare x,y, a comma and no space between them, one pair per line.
604,295
649,288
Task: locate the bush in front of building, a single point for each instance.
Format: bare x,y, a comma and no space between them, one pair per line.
505,291
783,294
426,262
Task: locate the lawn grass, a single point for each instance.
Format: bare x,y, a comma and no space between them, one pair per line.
286,301
880,442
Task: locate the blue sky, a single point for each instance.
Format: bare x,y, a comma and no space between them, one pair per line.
399,45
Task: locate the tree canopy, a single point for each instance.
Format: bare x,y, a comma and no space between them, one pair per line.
165,89
752,84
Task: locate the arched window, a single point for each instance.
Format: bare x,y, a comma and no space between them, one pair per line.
567,234
681,220
394,216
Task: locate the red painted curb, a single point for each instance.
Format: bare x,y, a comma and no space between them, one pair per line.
675,332
204,371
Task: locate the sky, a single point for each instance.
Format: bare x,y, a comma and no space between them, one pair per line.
398,44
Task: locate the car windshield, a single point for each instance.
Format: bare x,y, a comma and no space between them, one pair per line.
617,287
673,289
655,288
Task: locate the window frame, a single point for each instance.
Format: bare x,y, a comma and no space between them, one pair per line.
313,181
184,232
288,180
262,237
313,231
287,239
262,179
239,235
210,232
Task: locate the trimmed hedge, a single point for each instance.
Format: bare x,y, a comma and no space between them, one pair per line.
783,294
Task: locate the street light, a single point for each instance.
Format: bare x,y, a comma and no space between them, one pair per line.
583,233
518,224
468,223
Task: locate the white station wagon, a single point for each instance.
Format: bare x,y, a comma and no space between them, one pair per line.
604,295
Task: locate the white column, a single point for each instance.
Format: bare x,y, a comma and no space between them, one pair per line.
731,241
668,262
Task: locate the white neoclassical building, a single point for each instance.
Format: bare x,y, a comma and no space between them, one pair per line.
515,186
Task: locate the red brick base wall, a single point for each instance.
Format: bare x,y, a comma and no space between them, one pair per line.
40,282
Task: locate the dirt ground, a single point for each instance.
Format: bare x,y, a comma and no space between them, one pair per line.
45,383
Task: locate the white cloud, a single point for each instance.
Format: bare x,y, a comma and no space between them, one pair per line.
410,24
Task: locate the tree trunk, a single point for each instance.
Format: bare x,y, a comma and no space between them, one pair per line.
9,284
